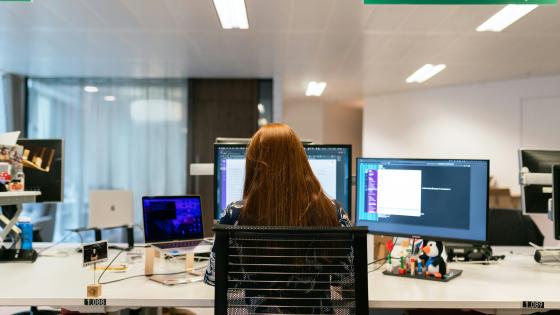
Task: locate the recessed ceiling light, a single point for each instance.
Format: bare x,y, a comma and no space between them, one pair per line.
505,17
91,89
424,73
109,98
232,14
260,108
315,88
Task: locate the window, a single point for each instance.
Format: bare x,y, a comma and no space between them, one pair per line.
118,134
3,109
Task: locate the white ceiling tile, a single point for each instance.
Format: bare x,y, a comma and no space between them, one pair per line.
270,15
543,20
193,15
426,18
348,16
113,13
359,50
388,18
72,12
302,46
151,14
311,15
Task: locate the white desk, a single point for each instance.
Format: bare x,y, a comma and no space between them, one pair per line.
62,281
499,286
55,281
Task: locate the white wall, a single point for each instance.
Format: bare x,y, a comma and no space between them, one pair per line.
486,121
339,123
342,124
306,118
277,99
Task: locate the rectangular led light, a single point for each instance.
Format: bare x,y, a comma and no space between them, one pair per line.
315,88
91,89
425,72
232,14
505,17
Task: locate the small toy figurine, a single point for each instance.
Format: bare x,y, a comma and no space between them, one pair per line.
412,266
435,265
389,245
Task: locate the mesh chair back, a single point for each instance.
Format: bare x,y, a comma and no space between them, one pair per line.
287,270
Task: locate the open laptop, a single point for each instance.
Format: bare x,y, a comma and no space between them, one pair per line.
174,223
110,208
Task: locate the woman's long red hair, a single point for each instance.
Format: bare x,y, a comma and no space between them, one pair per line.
280,187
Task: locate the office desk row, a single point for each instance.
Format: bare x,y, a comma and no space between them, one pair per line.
61,282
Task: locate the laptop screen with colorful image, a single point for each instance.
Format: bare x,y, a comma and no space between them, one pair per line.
169,218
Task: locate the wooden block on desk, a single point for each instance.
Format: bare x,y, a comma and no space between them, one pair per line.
379,250
149,262
93,290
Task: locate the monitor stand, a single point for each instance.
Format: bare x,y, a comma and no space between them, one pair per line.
469,252
129,236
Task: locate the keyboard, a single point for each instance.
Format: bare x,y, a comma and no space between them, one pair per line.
178,244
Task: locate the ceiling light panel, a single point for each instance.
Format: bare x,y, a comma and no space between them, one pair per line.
425,73
505,17
232,14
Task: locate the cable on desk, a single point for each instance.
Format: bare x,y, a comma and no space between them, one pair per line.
109,265
57,243
122,279
377,260
136,276
378,267
154,274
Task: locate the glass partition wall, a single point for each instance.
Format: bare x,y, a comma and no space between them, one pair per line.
118,134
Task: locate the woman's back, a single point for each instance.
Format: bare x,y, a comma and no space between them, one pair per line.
281,190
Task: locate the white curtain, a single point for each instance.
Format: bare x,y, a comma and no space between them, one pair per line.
3,109
131,134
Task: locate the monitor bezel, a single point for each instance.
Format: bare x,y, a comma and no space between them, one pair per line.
527,152
429,237
237,145
171,197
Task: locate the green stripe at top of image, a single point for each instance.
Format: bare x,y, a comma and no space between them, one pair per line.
462,2
16,0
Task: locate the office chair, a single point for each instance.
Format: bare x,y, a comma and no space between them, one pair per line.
510,227
290,270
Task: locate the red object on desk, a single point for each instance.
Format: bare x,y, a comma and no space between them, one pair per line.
389,245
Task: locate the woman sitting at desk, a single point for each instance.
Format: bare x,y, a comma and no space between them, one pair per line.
280,188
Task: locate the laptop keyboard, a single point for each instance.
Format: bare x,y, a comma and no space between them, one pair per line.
179,244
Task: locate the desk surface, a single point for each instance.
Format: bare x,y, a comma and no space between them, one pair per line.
504,285
62,281
56,281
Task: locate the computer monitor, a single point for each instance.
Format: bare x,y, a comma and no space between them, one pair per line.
331,164
535,194
433,199
556,199
43,168
172,218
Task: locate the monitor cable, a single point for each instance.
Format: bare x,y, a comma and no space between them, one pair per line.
136,276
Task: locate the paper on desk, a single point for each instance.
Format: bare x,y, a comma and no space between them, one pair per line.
9,138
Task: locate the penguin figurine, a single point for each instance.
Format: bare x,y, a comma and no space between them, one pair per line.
435,265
